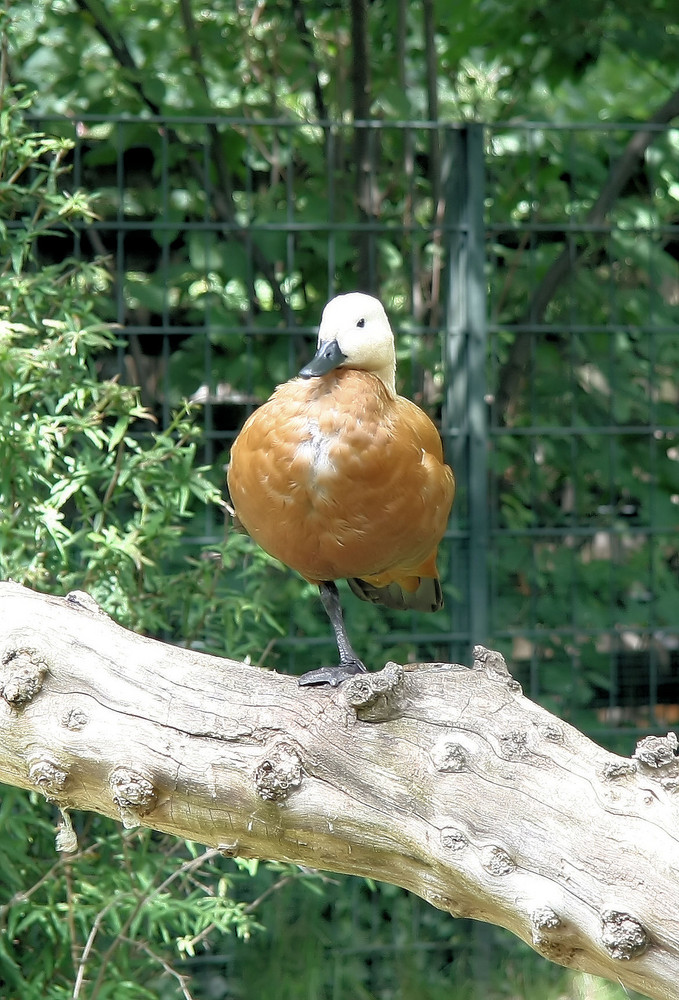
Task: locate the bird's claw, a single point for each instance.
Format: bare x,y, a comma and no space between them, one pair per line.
332,675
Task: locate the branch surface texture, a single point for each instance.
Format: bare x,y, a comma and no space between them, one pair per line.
435,777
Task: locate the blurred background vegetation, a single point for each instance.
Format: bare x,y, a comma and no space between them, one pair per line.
182,187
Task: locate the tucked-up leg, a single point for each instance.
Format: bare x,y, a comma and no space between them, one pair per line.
349,663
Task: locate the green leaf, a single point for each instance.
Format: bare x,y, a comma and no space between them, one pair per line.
118,432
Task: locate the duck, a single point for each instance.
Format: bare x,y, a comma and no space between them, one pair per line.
340,478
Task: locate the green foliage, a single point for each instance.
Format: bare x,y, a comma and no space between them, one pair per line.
121,916
94,496
242,228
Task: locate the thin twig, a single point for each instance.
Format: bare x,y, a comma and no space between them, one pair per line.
70,919
183,981
251,907
25,894
247,910
305,38
3,58
188,866
80,975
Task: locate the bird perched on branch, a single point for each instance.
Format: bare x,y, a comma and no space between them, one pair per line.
341,478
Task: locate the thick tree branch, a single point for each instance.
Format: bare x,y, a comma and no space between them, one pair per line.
515,370
443,780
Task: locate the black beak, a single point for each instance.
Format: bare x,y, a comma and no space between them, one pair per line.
327,357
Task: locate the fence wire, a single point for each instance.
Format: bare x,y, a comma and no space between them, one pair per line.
583,383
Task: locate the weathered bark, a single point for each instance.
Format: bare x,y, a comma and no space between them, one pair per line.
444,780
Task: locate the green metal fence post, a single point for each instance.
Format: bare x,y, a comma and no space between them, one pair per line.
466,347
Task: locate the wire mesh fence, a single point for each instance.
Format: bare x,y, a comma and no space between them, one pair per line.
535,307
582,374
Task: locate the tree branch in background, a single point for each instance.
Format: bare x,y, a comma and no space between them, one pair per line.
431,70
223,195
515,370
216,150
438,206
365,194
119,50
401,35
440,779
306,40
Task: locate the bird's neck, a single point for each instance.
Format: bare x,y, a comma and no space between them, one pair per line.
387,376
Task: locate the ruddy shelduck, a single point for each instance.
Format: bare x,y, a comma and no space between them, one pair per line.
341,478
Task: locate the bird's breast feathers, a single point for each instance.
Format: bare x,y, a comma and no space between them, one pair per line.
337,478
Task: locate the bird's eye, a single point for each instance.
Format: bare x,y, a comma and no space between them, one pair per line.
361,323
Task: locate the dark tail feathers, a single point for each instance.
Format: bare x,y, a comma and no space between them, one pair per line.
427,597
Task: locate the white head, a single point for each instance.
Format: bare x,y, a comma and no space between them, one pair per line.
356,327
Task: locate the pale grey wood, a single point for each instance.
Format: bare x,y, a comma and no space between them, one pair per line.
441,779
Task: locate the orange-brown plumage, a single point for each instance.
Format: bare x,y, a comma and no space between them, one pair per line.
339,477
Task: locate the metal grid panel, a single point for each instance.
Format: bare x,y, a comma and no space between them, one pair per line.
583,570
